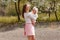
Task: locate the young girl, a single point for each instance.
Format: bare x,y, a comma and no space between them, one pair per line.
29,27
34,14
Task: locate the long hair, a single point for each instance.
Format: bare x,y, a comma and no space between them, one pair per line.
24,10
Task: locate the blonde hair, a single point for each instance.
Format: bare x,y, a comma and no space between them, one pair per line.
35,8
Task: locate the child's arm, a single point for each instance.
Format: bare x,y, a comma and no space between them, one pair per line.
33,17
34,21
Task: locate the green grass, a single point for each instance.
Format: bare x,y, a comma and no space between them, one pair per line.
45,17
42,17
5,19
11,19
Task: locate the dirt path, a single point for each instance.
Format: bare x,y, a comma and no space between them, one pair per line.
41,34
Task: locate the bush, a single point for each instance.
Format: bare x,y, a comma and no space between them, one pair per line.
45,18
11,12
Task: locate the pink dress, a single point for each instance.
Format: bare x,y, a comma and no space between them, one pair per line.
29,28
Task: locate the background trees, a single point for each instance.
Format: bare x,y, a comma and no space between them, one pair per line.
47,8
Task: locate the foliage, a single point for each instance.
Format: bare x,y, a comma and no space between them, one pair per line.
11,13
10,19
45,17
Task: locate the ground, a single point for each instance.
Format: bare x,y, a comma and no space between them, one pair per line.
41,34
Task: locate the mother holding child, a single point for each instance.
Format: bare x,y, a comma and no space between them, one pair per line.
30,20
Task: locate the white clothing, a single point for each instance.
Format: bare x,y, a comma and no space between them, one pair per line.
29,16
29,28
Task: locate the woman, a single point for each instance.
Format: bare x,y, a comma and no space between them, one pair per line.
29,30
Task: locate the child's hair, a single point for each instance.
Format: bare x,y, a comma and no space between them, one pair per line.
35,8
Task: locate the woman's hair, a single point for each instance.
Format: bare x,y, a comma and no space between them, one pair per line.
24,10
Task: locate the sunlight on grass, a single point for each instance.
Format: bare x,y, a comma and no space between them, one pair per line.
6,19
42,17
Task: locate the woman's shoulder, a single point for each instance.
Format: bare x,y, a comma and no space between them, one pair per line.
27,14
30,13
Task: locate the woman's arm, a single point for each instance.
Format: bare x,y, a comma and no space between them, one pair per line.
33,17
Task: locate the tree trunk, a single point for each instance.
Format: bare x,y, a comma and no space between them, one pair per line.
55,11
17,12
19,7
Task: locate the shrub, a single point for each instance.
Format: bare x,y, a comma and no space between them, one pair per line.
11,12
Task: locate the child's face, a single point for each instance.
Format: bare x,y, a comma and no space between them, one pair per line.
34,11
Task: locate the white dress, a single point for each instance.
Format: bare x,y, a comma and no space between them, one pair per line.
29,28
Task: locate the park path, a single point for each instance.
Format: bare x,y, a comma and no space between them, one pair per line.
41,34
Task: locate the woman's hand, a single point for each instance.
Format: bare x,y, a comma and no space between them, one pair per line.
33,22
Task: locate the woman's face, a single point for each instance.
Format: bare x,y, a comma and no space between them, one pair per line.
27,8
